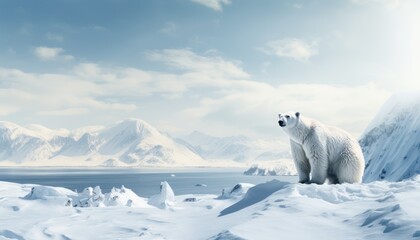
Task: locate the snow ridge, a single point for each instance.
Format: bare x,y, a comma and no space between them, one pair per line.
391,142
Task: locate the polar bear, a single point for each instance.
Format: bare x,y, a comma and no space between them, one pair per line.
322,152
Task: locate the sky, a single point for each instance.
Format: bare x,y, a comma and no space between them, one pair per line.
223,67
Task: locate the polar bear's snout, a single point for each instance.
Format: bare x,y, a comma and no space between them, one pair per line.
282,123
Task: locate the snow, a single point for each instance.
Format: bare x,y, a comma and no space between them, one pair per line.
237,191
272,210
282,167
165,198
128,143
391,142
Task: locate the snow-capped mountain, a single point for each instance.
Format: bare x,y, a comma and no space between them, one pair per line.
391,142
131,142
237,148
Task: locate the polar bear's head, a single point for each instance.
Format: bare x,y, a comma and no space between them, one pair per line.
288,120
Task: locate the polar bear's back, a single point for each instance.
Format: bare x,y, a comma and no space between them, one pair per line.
342,145
338,142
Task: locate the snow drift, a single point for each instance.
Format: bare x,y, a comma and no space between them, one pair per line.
165,198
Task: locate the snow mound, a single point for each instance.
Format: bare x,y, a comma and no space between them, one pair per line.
237,191
165,198
255,194
391,142
226,235
284,167
46,193
89,197
122,197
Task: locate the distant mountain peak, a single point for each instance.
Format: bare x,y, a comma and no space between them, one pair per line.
130,142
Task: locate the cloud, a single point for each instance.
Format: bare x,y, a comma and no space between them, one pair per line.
58,94
297,6
7,110
199,91
49,54
211,65
65,112
55,37
292,48
255,105
216,5
386,2
169,28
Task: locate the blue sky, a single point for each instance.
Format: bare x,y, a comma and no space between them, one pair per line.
219,66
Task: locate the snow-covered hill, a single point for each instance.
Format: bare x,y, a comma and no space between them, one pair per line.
237,148
131,142
391,142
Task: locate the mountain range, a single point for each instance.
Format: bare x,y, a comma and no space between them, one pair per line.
128,143
131,142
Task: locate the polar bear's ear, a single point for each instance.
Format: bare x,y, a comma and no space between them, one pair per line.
297,114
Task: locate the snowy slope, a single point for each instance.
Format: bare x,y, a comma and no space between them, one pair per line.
272,210
131,142
391,142
235,148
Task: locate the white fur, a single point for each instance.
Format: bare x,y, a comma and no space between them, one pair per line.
322,152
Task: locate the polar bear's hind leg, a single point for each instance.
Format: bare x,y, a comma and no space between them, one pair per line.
349,170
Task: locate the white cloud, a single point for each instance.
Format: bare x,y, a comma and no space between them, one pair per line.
57,94
65,112
46,53
291,47
169,28
204,92
385,2
255,105
7,110
211,65
49,54
216,5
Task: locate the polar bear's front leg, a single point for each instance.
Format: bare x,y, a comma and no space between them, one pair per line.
301,162
318,160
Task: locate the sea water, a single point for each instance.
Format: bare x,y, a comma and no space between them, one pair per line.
144,182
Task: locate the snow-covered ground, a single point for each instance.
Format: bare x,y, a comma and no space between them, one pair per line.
272,210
